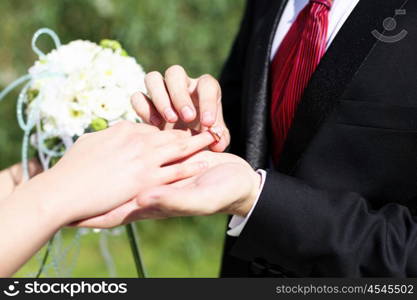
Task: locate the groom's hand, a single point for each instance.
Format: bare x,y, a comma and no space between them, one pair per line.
229,186
176,100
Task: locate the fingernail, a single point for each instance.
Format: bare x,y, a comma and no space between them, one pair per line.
208,118
170,115
155,120
187,113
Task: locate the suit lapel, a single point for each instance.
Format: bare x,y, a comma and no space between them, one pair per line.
256,85
336,70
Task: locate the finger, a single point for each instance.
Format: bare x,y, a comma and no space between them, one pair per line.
173,202
128,126
209,98
221,144
157,91
166,137
182,183
181,171
183,148
177,82
146,110
118,216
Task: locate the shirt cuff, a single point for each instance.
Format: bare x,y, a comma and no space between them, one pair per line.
237,223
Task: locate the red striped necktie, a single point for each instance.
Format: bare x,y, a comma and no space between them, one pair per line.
293,65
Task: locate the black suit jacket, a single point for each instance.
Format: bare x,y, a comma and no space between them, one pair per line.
343,200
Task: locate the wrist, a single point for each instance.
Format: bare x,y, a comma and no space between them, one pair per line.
40,195
245,204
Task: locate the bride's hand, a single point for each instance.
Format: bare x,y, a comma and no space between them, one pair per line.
107,168
228,185
100,172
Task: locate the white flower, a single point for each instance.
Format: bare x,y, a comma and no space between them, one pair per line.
108,103
67,58
80,82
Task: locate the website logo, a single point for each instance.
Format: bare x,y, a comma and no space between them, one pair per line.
390,24
12,290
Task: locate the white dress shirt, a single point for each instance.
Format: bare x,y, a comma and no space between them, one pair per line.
338,15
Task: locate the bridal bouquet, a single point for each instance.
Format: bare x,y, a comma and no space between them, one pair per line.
76,88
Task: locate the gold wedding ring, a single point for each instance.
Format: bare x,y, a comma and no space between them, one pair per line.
216,132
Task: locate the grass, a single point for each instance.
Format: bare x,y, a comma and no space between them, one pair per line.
180,247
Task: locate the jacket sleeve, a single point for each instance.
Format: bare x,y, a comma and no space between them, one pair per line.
313,232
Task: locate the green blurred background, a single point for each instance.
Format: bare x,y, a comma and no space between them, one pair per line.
196,34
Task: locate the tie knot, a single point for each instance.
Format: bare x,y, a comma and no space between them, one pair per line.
327,3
